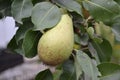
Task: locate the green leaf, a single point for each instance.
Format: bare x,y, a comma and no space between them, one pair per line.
68,71
20,34
44,75
82,39
71,5
114,76
104,50
87,66
80,1
19,50
57,74
102,10
108,68
45,15
77,38
116,21
109,71
15,47
93,53
78,68
118,1
37,1
12,45
105,32
116,31
30,43
21,9
5,8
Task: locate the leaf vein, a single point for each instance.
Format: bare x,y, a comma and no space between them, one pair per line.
100,7
45,15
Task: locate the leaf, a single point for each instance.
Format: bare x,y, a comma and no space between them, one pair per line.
108,68
114,76
104,50
19,50
12,45
118,1
86,65
45,15
15,47
105,32
77,38
44,75
110,71
82,39
5,8
93,53
37,1
21,9
78,68
71,5
57,74
20,34
116,31
68,71
116,53
30,43
102,10
116,21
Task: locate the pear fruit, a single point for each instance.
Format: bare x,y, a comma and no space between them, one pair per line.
55,46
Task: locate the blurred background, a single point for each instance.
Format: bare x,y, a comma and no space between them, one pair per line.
14,66
7,30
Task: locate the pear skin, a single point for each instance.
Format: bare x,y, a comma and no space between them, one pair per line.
56,45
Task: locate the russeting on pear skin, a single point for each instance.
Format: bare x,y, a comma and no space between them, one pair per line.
56,45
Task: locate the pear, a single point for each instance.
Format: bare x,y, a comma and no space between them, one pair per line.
56,45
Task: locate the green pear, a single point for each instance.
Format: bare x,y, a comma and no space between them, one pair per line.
56,45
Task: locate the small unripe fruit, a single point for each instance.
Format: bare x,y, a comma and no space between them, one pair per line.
56,45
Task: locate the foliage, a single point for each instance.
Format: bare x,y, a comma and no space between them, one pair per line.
96,29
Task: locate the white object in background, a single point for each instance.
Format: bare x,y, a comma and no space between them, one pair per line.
7,31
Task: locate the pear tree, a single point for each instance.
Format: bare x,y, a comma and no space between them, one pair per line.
79,38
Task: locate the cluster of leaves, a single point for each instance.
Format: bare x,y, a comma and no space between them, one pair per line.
96,54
